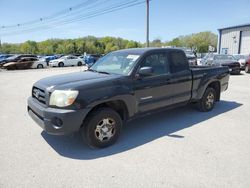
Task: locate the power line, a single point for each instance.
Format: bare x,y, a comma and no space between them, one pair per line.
60,16
53,16
79,18
53,22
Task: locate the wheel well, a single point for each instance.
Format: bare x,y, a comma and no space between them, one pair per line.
119,106
216,86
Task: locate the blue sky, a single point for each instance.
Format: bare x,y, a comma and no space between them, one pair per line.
168,19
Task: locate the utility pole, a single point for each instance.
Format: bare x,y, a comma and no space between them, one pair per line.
147,29
0,45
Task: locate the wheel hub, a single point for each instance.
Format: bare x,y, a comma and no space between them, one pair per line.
210,100
105,130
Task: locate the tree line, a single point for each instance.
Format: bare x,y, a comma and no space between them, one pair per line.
90,44
197,41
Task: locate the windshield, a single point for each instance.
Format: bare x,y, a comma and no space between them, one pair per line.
239,57
116,63
224,57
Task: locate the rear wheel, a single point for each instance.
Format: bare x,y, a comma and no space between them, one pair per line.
247,69
61,64
40,66
102,128
79,63
207,102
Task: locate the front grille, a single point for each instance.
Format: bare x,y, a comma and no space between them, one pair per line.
39,94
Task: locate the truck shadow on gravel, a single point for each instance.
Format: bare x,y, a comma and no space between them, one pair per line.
139,132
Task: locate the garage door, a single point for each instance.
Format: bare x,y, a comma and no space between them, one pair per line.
245,42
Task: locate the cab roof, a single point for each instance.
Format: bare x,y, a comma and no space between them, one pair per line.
140,51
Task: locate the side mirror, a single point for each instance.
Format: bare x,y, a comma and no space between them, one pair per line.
145,71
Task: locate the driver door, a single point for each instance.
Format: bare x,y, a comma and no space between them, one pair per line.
154,91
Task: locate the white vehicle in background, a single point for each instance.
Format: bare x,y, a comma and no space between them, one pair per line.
68,60
39,64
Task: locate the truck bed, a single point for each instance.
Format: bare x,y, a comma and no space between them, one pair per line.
202,75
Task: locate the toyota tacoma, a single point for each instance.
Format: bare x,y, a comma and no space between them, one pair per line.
121,86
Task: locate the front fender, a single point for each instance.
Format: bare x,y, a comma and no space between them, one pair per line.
98,95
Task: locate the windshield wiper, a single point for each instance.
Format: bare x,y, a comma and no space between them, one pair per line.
92,70
102,72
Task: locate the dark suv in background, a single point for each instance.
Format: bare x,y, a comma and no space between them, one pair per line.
222,60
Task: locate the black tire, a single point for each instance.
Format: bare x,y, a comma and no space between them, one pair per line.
92,134
61,64
238,72
79,63
207,102
39,66
247,69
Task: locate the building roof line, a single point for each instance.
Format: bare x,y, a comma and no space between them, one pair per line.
232,27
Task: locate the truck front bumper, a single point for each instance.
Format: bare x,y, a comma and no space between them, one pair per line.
56,121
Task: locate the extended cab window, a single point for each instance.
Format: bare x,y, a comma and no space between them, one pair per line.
158,62
178,61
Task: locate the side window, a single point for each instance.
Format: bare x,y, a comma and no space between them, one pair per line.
158,62
178,61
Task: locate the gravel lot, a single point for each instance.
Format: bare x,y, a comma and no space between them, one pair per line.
177,148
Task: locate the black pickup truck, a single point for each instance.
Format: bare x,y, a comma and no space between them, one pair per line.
119,87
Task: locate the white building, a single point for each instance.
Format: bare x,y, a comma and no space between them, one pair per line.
234,40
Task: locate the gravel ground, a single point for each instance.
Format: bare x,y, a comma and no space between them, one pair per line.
176,148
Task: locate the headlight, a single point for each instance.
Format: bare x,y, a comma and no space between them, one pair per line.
62,98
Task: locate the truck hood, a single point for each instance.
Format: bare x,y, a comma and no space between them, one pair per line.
73,79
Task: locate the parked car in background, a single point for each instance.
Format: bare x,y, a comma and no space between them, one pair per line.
16,58
192,59
39,64
68,60
222,60
4,56
49,58
3,59
242,60
200,56
22,63
90,59
247,65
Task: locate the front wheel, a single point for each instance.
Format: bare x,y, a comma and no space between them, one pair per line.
207,102
102,128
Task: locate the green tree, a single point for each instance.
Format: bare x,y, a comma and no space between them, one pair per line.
29,47
175,42
91,44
